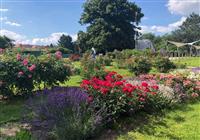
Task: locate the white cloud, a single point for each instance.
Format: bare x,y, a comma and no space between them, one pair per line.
3,18
53,38
163,29
12,23
12,35
3,10
184,7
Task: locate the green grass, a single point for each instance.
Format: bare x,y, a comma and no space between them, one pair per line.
73,81
123,72
10,111
189,61
180,124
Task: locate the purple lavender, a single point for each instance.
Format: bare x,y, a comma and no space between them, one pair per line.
196,70
64,112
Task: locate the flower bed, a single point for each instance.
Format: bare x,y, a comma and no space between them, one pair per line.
118,96
146,92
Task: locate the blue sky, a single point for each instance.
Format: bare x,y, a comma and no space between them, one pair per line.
43,21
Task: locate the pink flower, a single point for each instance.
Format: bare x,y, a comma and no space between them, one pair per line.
58,54
20,73
25,62
195,95
29,76
18,57
1,50
31,68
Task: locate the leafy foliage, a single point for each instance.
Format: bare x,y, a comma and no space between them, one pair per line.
189,31
111,24
139,65
5,42
65,41
163,64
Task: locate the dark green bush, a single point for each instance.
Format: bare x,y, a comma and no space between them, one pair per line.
139,65
104,60
61,49
163,64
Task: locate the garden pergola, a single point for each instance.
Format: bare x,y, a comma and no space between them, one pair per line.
179,45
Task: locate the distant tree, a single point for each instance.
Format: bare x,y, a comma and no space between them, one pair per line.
189,31
158,41
51,45
6,42
112,24
65,41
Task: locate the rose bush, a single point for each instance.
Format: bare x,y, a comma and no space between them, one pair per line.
118,97
20,74
183,87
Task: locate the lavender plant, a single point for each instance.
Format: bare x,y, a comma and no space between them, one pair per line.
62,113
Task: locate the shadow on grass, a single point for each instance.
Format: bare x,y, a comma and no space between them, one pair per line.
145,123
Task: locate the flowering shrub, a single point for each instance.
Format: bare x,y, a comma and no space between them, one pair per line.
22,74
183,87
62,114
118,96
91,67
163,64
139,65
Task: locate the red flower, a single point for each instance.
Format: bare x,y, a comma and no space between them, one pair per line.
155,87
118,83
144,84
86,82
104,91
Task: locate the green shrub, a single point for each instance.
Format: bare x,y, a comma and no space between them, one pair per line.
163,64
104,60
139,65
61,49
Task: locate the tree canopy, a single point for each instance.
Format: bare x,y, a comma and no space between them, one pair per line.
5,42
189,31
111,24
65,41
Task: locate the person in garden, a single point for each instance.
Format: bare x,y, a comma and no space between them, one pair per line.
93,53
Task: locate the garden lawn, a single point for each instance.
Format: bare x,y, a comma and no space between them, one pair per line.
180,124
188,61
123,72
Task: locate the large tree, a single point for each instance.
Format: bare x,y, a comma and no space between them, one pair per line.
6,42
189,31
65,41
112,24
